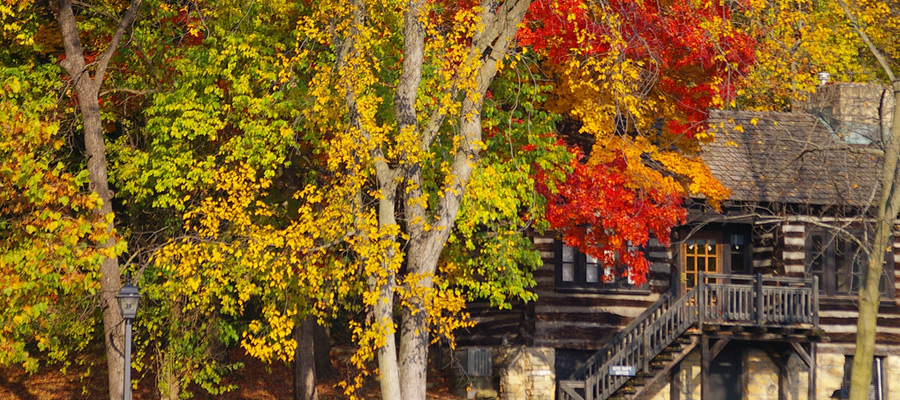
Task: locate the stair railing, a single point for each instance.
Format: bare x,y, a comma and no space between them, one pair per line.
737,299
593,380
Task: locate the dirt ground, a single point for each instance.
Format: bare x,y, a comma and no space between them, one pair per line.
256,381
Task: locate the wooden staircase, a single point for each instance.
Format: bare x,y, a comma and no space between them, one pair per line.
658,339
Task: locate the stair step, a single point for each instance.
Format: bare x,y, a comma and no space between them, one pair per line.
665,357
675,348
682,340
627,389
638,382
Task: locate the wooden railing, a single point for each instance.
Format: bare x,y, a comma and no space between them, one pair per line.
717,299
758,300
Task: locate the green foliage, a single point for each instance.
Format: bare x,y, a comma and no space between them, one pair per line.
490,253
48,236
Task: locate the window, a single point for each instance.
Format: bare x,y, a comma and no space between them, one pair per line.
715,252
739,256
577,271
840,264
700,255
877,390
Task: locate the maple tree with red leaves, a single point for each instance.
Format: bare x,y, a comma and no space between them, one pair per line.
658,67
601,214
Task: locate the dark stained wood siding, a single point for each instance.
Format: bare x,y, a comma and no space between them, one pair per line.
586,320
492,324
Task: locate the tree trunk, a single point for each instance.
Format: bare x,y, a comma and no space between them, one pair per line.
110,276
414,331
168,380
869,296
383,283
87,89
305,360
425,246
322,343
388,370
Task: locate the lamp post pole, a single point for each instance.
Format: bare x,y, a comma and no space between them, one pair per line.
126,393
128,298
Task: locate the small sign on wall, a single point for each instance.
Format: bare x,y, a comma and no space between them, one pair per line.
622,370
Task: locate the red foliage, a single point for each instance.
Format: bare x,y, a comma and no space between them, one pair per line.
600,212
670,36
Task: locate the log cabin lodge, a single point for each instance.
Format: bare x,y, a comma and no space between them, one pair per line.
755,301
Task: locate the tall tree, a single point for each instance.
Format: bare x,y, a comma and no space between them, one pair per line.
872,22
638,78
854,41
87,79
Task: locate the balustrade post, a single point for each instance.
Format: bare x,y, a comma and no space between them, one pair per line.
646,366
701,299
759,300
589,386
815,302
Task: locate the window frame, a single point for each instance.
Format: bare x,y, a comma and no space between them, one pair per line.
879,377
832,267
724,236
580,284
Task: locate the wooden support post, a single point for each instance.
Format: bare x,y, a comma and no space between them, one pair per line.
783,377
675,383
589,386
705,361
812,370
780,358
759,300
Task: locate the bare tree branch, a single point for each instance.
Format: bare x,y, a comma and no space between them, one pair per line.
103,60
865,38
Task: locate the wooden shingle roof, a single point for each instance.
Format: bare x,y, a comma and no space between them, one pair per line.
788,158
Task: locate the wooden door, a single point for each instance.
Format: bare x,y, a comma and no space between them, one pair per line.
700,254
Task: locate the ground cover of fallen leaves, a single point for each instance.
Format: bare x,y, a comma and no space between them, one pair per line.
256,380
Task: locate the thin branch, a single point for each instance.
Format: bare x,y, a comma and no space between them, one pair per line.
103,60
865,38
129,91
850,149
74,61
95,9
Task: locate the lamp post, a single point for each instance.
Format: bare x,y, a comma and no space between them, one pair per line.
128,299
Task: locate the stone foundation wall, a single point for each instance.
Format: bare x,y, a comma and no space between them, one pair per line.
798,379
829,374
526,373
760,376
687,378
661,390
892,377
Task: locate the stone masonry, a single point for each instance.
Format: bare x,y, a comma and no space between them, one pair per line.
526,373
760,376
798,379
829,374
851,109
